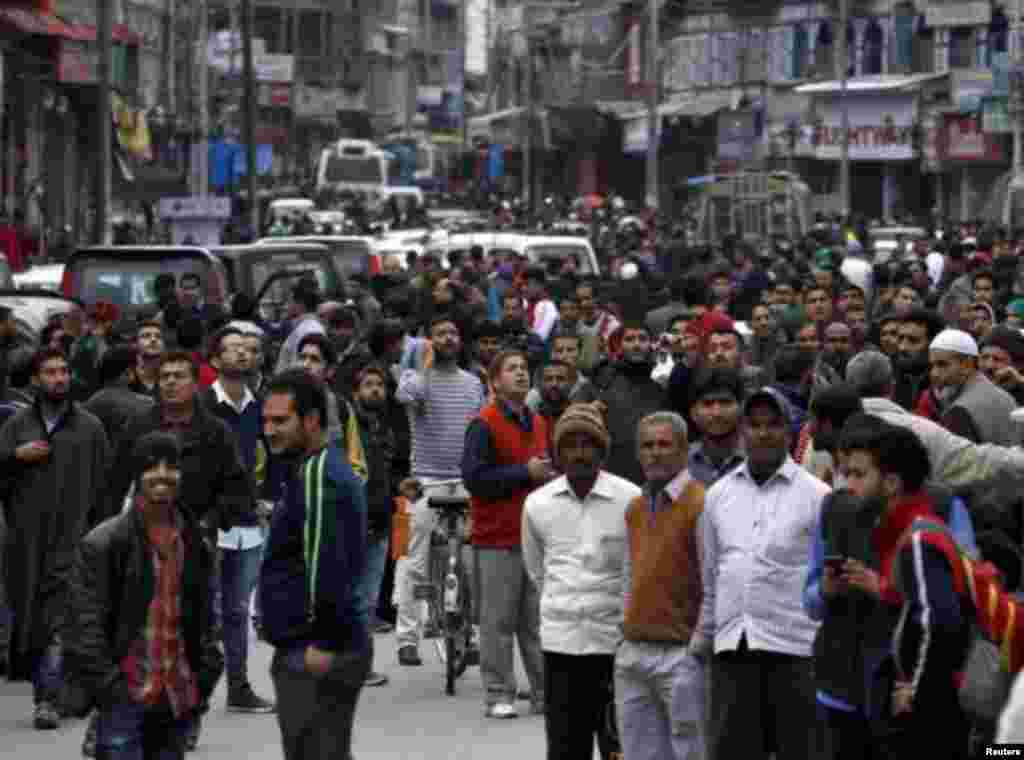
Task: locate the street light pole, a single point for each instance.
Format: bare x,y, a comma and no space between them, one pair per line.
249,116
844,123
653,131
105,135
202,178
1016,112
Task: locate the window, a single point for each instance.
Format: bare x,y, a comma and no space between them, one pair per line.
998,36
923,58
961,48
311,33
269,25
824,50
874,42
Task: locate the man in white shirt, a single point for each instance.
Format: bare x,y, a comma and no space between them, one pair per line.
758,524
574,543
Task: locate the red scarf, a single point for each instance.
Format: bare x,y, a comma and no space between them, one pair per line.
888,534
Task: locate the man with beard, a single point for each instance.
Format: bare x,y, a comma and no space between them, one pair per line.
565,349
1002,357
716,396
574,535
505,457
555,390
726,350
314,567
344,330
230,399
627,394
486,345
53,458
441,400
116,401
838,347
369,402
969,404
917,330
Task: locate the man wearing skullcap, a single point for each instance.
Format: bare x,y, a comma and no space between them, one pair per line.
967,402
574,536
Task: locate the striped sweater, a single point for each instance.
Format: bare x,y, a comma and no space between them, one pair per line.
441,405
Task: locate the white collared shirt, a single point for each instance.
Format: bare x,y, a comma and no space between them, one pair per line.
755,551
575,552
240,537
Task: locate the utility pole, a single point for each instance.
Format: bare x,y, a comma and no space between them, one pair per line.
653,90
1016,114
528,111
202,176
105,136
465,57
249,116
844,123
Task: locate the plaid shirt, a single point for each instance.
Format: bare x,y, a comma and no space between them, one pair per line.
156,663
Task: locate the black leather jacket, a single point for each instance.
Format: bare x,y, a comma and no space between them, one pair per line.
112,585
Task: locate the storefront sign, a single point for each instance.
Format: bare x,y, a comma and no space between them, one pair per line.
948,13
77,63
196,207
323,103
275,94
737,135
880,128
995,116
969,86
966,140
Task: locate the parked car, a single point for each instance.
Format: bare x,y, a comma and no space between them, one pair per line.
352,254
41,277
125,275
33,309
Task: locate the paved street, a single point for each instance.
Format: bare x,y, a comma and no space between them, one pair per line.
408,719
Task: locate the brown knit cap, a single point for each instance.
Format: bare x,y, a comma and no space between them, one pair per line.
582,418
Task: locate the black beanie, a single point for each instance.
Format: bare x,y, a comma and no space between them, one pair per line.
152,449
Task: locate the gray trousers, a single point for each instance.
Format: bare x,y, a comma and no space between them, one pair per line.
509,606
660,702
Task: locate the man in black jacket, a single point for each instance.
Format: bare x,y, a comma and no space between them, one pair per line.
140,636
215,488
370,397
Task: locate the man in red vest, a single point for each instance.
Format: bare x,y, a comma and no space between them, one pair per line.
504,459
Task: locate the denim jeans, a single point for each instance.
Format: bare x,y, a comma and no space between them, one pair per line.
239,573
376,563
130,731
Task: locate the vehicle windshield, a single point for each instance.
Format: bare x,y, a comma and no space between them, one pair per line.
349,256
552,254
354,169
129,282
265,266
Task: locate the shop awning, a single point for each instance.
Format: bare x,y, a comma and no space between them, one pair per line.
32,22
874,83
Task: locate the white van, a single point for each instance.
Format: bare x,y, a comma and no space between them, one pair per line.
538,249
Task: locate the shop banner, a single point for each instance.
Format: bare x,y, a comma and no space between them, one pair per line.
995,116
966,140
880,128
969,87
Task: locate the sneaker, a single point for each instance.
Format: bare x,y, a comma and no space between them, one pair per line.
502,711
408,656
243,699
192,735
45,717
89,742
375,679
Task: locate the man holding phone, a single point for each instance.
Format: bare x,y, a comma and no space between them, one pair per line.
505,457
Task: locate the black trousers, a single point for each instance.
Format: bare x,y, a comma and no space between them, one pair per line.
849,735
760,699
315,714
577,691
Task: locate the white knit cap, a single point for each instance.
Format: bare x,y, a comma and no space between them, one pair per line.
955,341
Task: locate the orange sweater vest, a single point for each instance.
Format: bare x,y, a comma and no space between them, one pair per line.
663,601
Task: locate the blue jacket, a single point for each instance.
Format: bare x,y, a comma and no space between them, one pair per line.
315,559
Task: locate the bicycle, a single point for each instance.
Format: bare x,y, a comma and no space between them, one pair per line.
448,594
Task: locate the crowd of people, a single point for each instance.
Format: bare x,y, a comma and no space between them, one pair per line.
730,502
